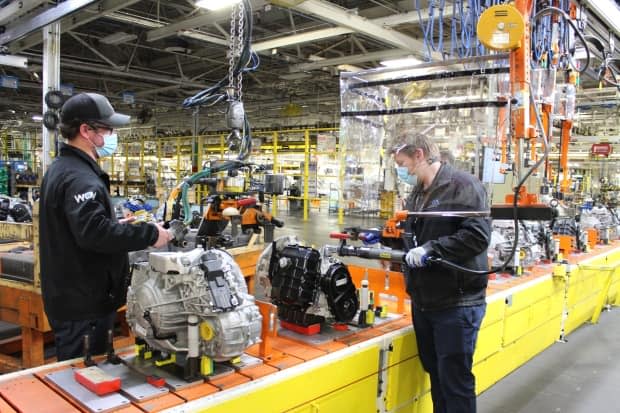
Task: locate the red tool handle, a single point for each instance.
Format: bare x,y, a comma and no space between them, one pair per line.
339,235
245,202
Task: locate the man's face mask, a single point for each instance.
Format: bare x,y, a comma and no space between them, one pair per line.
110,142
403,175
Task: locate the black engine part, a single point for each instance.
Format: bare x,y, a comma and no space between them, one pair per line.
297,282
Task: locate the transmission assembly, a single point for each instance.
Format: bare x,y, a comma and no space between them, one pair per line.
195,303
307,286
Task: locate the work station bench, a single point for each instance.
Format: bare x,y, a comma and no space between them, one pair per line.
376,367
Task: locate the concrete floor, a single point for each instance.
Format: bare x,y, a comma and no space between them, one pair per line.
579,376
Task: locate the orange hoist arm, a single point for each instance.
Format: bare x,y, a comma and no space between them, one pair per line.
567,125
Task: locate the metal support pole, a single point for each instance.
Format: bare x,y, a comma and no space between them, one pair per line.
306,172
195,149
159,166
274,198
195,129
178,159
51,81
342,149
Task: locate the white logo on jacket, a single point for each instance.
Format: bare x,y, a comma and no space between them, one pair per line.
85,196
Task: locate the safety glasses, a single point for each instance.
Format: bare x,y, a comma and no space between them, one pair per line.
396,149
102,130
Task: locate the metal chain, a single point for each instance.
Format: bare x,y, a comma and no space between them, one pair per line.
241,31
232,50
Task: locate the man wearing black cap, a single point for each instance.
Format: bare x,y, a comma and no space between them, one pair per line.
84,263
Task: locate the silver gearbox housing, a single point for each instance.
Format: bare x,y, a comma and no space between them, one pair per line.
174,287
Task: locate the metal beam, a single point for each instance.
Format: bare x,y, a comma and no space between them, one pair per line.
136,20
300,38
343,17
81,66
51,81
194,34
184,24
608,11
157,90
148,23
16,9
92,49
76,19
41,20
361,58
409,17
320,34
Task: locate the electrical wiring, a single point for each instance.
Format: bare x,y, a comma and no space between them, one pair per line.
541,39
423,28
566,18
190,181
246,62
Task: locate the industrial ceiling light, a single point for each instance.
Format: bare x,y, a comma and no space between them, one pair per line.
216,4
404,62
349,68
15,61
118,38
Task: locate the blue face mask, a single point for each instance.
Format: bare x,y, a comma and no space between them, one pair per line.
110,142
403,175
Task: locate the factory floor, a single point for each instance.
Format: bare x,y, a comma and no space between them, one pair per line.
578,376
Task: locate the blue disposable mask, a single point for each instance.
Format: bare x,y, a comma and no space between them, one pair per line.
405,176
110,142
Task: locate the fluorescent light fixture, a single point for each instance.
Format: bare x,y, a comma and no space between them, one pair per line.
137,20
216,4
118,37
37,118
404,62
15,61
349,68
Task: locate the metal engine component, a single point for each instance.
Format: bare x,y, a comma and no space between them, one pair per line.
571,226
604,220
533,245
307,286
235,116
173,288
274,184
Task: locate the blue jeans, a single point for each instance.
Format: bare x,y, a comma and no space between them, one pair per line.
69,336
446,342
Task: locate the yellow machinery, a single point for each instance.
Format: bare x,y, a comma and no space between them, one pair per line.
501,27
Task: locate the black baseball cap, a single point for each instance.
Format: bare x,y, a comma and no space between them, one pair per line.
92,107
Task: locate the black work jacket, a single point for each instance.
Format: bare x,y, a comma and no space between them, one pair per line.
83,248
463,241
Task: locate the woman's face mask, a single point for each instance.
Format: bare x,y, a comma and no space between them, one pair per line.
405,176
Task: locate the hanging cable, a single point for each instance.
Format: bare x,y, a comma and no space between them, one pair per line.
424,28
230,88
566,18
